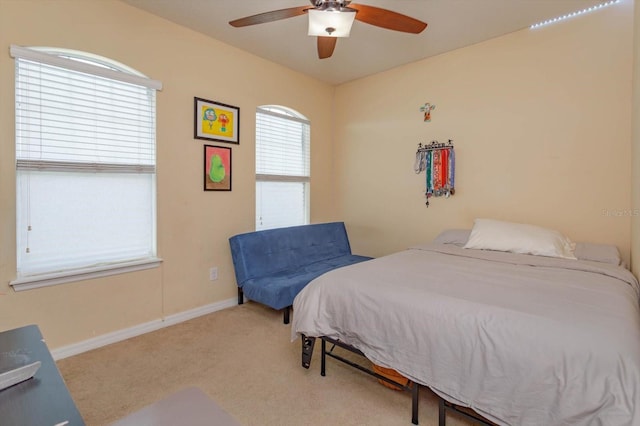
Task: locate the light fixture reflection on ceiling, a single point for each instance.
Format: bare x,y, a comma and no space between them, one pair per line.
331,22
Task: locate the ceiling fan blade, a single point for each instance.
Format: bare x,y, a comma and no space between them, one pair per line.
274,15
326,46
387,19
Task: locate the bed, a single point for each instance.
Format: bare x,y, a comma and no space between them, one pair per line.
521,339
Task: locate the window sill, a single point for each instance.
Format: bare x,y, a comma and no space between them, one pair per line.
45,280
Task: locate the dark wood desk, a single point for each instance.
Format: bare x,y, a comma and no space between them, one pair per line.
43,400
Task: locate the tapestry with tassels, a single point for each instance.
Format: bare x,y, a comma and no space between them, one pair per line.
438,161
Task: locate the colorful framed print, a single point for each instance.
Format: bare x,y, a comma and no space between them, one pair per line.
216,122
217,168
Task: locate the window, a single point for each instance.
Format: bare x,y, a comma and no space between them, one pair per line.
85,167
282,168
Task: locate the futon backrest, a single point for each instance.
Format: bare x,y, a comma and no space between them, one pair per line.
264,253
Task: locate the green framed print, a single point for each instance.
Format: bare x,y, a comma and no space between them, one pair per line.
217,168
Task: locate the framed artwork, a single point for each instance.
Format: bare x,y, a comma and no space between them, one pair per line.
217,168
215,121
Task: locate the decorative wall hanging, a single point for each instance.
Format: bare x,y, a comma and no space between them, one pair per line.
215,121
438,161
426,109
217,168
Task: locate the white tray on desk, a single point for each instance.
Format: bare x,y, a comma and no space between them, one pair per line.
18,374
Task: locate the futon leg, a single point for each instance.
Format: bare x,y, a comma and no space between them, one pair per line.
240,296
286,314
307,350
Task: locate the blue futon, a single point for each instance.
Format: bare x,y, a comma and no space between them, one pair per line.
273,266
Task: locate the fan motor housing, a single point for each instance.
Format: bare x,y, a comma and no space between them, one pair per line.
330,4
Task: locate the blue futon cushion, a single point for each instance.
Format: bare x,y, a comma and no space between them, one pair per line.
279,290
272,266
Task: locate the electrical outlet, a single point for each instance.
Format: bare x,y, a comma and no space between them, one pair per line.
213,273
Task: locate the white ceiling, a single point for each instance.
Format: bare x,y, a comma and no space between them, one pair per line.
451,24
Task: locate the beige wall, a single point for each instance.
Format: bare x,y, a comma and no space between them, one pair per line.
193,225
541,121
635,185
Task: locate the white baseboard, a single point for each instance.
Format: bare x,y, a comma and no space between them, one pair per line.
136,330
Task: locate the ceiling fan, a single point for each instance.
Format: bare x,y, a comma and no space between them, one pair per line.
330,19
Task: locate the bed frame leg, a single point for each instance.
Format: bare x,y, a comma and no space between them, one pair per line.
307,350
323,357
411,386
442,418
414,402
286,314
240,296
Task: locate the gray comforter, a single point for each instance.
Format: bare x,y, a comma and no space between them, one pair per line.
521,339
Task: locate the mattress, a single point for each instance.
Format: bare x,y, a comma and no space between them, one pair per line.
521,339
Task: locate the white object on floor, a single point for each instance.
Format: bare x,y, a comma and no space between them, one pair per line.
188,407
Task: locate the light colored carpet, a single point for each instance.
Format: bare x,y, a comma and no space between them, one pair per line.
242,357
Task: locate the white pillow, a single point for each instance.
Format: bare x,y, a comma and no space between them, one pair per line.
488,234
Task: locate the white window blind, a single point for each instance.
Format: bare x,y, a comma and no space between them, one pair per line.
85,164
282,168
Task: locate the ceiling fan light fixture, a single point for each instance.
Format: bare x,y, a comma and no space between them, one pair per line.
331,23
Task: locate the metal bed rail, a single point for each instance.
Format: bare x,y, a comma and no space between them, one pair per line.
413,387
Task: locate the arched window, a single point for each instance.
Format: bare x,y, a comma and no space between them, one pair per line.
85,167
282,167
